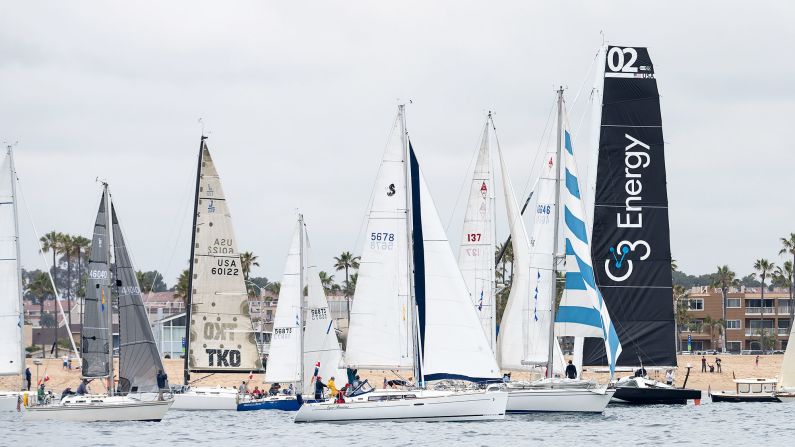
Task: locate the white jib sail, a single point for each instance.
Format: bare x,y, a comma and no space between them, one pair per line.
476,253
320,333
786,380
221,337
11,350
284,357
526,321
380,335
455,344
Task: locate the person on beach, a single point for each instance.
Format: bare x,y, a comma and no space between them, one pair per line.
65,362
717,363
571,371
28,378
703,364
757,362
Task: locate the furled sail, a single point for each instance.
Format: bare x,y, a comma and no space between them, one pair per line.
12,354
95,342
320,333
476,252
139,359
582,311
631,239
380,335
221,338
284,356
451,337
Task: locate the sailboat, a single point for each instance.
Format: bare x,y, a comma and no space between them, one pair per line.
304,337
411,311
219,336
631,238
529,329
12,349
139,361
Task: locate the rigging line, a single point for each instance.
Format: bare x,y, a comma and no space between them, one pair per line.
537,155
52,282
464,181
585,79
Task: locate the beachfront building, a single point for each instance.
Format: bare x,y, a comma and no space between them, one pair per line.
750,323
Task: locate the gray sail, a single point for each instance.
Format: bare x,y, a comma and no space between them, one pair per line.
139,359
95,337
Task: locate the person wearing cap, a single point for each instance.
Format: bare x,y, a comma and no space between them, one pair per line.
319,385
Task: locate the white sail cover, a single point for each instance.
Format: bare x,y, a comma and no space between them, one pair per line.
284,357
379,334
582,312
320,334
526,322
476,253
454,345
786,380
12,355
221,335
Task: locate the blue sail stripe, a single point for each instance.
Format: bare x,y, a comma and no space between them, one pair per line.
571,184
574,281
567,138
580,315
575,225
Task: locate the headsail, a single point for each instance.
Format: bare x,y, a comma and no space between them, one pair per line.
139,359
95,342
631,239
221,338
12,353
786,378
476,253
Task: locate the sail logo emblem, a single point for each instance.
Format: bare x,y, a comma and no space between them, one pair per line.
550,163
622,266
483,189
211,207
390,190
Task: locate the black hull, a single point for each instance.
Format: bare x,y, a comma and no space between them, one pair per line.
736,399
655,396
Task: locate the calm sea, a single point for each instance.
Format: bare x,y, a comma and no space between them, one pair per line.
708,424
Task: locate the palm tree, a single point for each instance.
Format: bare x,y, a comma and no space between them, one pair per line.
40,287
79,248
327,281
346,261
674,265
274,288
181,287
351,289
782,277
764,267
712,326
56,243
681,312
248,260
724,278
788,247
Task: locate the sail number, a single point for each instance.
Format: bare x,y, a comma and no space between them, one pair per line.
473,251
227,267
319,314
617,60
382,241
98,274
473,237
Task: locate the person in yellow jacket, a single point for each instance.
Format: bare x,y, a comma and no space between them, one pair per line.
332,388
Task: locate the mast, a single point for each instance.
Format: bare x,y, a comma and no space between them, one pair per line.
554,288
301,302
16,242
493,236
111,384
186,371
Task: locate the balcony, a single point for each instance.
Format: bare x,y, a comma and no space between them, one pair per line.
759,310
783,310
754,332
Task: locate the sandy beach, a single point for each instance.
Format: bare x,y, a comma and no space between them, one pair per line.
741,366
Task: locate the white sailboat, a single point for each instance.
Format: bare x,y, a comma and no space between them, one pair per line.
528,339
411,310
219,338
12,350
139,361
785,389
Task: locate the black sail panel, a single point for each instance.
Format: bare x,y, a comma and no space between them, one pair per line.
631,237
95,344
139,359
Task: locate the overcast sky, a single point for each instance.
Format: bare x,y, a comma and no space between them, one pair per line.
298,99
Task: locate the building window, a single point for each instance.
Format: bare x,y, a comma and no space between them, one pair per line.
734,346
732,324
695,304
733,303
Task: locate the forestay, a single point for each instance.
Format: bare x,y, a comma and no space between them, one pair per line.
12,354
95,344
380,335
221,336
476,252
139,359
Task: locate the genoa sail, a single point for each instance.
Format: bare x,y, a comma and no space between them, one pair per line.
220,338
95,342
139,359
631,237
475,255
786,379
12,353
380,335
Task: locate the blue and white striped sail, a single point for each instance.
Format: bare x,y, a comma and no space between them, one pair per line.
582,311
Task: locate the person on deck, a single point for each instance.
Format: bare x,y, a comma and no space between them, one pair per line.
257,393
82,389
669,377
571,371
40,394
319,385
162,380
28,377
356,382
243,388
274,389
67,392
332,387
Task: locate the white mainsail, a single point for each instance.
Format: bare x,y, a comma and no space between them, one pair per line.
380,334
476,252
284,357
12,354
320,334
221,338
786,379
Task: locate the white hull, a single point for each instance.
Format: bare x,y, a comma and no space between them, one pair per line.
8,401
787,398
199,399
99,408
574,400
390,405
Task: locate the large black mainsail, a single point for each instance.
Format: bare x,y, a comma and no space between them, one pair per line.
139,359
95,343
631,239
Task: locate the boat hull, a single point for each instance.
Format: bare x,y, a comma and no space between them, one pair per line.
100,410
655,396
426,406
734,397
564,400
206,399
8,401
282,403
787,398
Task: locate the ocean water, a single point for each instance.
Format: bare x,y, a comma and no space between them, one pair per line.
708,424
